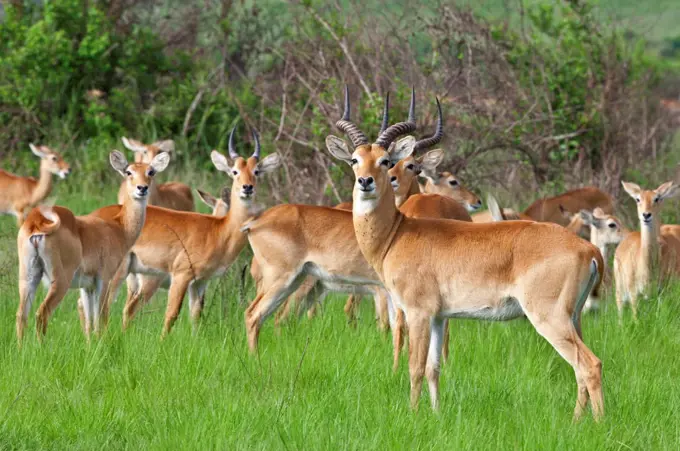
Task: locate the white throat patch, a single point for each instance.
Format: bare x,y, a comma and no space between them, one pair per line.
361,207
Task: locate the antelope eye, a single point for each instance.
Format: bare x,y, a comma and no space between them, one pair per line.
235,172
353,161
385,163
656,200
54,158
256,172
637,199
410,167
453,182
128,173
151,172
612,225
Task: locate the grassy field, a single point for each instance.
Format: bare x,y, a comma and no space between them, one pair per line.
320,384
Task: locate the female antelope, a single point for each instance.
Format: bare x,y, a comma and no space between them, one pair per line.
83,252
650,254
20,193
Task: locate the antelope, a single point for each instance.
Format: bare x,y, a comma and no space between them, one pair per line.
192,248
149,284
173,195
507,214
83,252
447,184
558,209
220,206
605,230
496,271
650,254
403,177
453,204
20,193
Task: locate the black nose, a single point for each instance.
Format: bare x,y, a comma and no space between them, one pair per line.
393,178
646,215
248,188
143,188
365,181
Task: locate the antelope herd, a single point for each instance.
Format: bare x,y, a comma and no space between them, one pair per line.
424,251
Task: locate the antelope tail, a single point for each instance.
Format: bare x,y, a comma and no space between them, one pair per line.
47,228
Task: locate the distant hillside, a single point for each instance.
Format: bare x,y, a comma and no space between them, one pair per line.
656,20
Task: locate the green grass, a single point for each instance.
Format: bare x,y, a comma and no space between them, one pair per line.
320,384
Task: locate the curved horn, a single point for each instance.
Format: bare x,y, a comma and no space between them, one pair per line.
348,127
232,153
386,114
256,140
401,128
438,134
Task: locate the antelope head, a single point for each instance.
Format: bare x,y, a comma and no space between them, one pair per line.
245,172
51,161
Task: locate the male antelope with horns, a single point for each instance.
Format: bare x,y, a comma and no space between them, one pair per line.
293,242
495,271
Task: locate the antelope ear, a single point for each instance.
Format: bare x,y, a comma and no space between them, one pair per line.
431,160
666,190
632,189
160,162
220,162
133,144
587,217
119,162
495,210
566,213
207,199
269,163
338,148
226,195
37,152
167,145
403,149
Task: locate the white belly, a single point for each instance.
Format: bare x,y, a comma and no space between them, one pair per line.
138,267
508,308
337,280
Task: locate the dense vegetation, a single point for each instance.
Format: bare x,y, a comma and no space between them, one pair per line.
556,93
